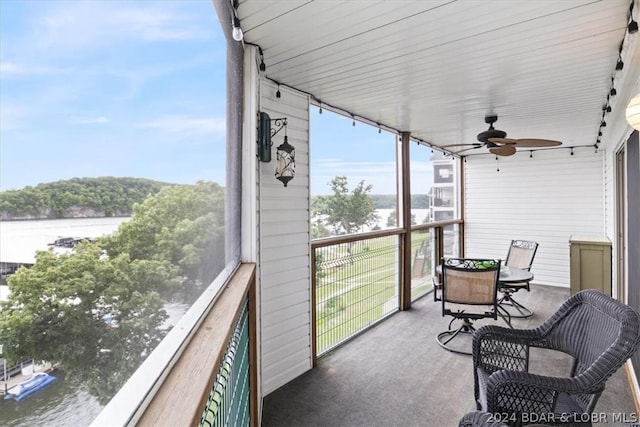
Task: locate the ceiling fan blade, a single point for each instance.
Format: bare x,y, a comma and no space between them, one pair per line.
505,150
506,141
468,149
535,142
475,145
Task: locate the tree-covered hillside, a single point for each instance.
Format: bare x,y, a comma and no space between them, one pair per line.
77,197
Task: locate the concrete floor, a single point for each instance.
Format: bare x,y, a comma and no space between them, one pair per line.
395,374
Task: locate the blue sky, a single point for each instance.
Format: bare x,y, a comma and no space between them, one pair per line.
137,88
118,88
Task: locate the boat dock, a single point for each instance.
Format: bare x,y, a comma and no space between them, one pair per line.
26,371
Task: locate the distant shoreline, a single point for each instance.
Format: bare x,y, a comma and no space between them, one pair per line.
66,217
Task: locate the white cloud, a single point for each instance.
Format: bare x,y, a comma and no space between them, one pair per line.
91,25
62,29
187,125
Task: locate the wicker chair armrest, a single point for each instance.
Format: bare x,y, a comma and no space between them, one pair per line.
496,348
523,392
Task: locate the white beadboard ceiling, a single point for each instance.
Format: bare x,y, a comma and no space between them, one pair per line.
436,68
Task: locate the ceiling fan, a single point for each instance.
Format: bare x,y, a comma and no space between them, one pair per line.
497,142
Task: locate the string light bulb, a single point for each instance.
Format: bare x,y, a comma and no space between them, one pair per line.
236,33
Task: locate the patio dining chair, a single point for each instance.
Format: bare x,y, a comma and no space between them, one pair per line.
469,292
520,255
599,333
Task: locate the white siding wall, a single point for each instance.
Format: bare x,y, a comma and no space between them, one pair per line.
546,198
285,272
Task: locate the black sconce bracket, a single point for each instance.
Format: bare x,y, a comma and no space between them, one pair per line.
266,132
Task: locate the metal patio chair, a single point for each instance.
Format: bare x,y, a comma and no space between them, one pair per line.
520,255
599,333
469,292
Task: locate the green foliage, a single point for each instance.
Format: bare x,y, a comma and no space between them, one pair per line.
332,306
98,311
182,225
105,196
346,211
392,219
58,307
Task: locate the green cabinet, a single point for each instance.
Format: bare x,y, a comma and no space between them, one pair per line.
590,263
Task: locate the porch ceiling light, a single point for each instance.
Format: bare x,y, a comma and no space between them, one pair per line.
286,156
633,112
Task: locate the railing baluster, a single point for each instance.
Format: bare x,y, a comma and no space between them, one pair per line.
228,403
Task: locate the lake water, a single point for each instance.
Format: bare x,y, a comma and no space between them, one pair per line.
20,239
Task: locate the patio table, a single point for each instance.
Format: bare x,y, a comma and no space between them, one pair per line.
507,274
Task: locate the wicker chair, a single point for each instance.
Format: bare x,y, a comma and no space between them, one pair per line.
599,333
520,255
469,292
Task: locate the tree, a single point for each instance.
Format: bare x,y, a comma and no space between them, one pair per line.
347,212
98,311
392,219
96,317
183,225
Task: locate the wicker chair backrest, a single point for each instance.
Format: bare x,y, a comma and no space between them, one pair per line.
598,331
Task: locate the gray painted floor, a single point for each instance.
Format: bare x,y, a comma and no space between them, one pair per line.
395,374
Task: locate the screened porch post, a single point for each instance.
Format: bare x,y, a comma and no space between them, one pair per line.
405,239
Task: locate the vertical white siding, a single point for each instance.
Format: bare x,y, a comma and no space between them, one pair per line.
546,198
285,271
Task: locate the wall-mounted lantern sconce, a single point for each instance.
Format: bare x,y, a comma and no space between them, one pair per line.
285,153
286,157
265,133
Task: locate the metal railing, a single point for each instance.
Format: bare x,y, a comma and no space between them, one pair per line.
228,403
357,279
356,285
